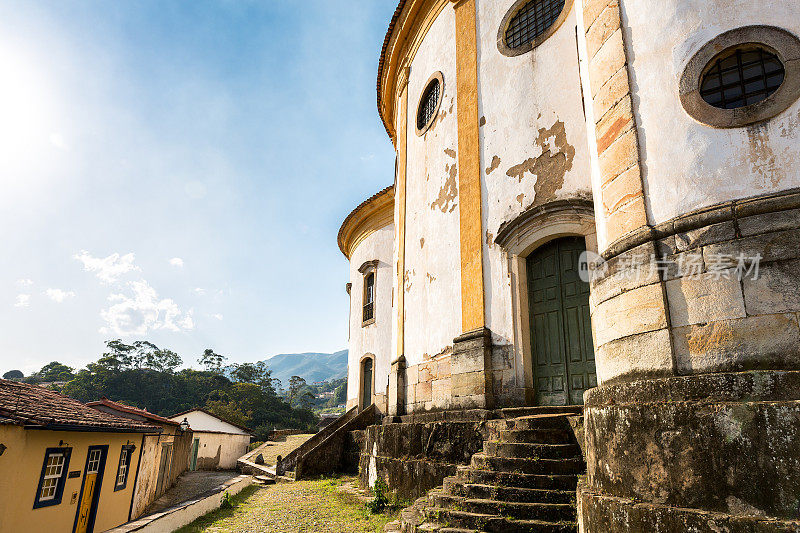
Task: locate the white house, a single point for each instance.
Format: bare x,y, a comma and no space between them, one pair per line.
217,444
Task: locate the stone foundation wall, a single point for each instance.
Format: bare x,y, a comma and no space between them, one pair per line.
414,457
724,443
717,290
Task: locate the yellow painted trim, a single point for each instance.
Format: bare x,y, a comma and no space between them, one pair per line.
374,214
409,32
469,166
400,228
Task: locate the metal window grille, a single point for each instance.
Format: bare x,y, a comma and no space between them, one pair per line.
93,466
427,106
531,21
741,77
369,297
123,467
52,473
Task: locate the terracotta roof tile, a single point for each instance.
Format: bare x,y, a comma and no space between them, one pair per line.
31,405
144,413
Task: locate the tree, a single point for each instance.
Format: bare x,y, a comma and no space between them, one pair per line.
299,395
13,374
56,371
212,361
255,373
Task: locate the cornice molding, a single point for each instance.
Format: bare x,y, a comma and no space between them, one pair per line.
373,214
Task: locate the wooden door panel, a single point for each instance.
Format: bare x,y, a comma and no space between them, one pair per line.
561,329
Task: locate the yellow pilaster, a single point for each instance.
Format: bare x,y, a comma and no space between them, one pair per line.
400,200
469,176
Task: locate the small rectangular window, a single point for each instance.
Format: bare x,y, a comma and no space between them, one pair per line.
51,481
124,467
369,297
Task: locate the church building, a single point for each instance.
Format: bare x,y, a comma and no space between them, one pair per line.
595,211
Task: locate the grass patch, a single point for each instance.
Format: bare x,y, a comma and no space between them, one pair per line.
208,519
326,504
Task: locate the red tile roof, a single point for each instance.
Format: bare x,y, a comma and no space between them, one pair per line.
33,406
144,413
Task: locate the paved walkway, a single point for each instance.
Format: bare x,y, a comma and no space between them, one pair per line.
188,486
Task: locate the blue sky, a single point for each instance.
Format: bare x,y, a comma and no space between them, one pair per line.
178,171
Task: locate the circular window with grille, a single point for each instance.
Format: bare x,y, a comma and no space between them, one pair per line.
529,23
429,103
753,78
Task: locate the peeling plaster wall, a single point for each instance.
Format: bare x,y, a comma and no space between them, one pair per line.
687,165
220,451
533,148
375,338
432,261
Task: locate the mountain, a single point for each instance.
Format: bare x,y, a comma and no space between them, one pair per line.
310,366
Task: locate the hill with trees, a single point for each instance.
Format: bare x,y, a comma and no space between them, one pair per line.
145,376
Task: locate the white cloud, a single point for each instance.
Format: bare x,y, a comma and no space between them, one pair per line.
218,316
24,282
23,300
107,269
142,310
176,262
57,295
200,291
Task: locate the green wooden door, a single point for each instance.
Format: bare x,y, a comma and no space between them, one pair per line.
561,334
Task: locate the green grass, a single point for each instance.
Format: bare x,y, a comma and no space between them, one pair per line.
206,520
304,506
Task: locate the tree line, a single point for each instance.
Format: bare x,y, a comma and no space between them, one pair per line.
143,375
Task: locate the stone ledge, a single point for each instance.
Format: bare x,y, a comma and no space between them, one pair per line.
755,385
599,513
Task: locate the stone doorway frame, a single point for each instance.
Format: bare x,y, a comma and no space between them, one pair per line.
521,237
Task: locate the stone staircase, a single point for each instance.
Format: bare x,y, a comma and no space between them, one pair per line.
524,480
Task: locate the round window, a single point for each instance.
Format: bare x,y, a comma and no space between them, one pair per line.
429,103
755,77
528,23
741,76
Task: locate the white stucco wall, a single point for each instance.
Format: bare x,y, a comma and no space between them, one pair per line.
432,252
533,146
686,164
220,451
200,421
375,338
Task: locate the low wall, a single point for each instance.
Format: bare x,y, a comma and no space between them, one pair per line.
174,518
415,457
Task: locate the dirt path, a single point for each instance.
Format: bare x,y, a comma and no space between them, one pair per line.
305,506
190,485
270,450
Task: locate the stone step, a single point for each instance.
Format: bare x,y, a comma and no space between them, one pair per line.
482,461
524,450
455,415
540,436
465,474
541,422
516,412
497,524
477,491
547,512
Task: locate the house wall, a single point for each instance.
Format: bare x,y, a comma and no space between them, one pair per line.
374,338
219,451
147,480
21,467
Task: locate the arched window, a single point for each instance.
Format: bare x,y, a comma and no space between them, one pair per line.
741,76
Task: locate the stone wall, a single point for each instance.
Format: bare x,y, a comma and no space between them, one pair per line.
414,457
